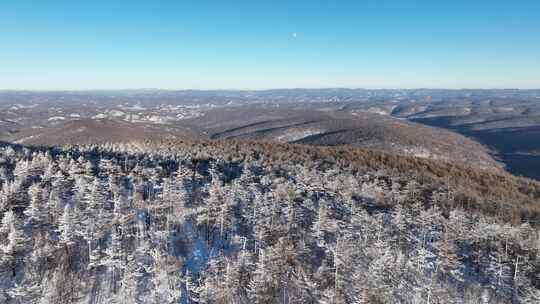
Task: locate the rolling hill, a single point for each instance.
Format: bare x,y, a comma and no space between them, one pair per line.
288,124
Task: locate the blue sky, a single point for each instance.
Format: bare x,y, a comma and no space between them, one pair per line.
70,44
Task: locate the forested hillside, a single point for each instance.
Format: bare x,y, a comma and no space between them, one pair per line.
224,222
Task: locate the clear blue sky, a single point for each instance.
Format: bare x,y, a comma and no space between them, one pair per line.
256,44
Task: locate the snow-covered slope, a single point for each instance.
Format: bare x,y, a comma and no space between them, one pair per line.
154,223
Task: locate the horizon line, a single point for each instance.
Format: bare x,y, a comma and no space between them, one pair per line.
270,89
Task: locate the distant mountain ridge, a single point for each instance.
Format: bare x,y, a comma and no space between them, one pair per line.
309,116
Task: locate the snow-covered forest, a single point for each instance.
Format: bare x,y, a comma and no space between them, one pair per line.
125,224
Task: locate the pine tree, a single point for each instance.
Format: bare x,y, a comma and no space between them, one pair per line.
262,286
15,245
16,239
36,212
165,281
67,226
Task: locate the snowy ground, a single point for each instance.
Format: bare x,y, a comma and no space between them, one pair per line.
296,135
